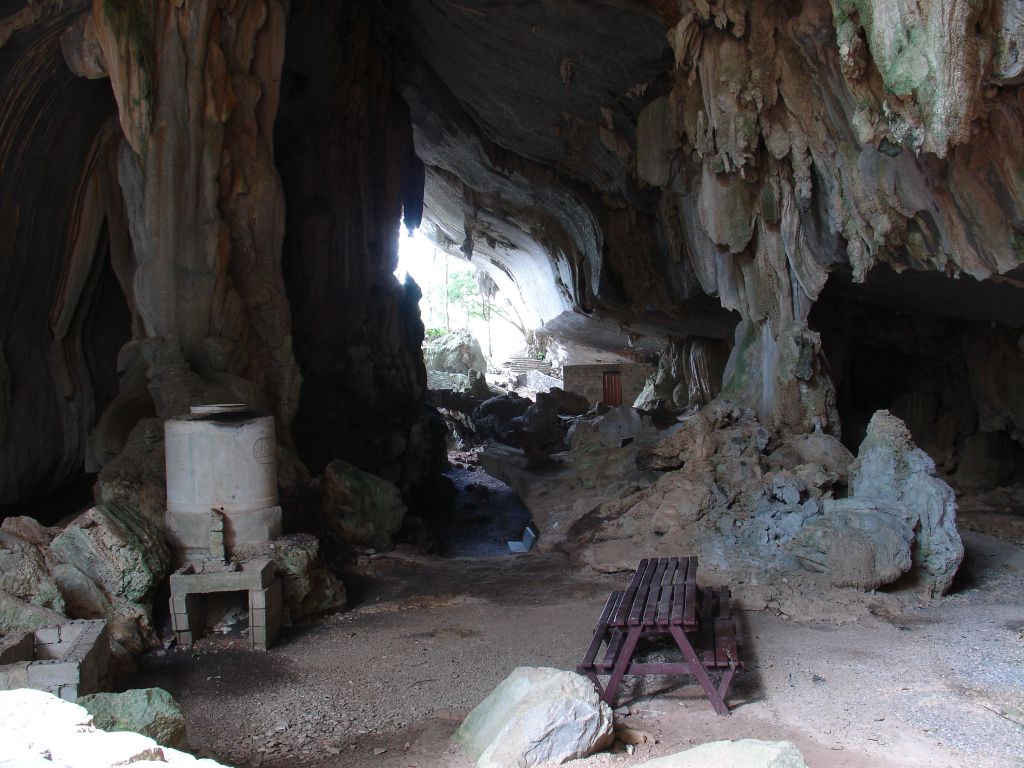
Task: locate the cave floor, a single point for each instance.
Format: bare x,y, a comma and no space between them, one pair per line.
388,681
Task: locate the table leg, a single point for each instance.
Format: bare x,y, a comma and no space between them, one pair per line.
698,670
621,663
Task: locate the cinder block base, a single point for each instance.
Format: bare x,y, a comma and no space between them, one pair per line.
69,660
257,578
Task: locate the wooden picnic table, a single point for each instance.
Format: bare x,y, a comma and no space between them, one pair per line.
661,601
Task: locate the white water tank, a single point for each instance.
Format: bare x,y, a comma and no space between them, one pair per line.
222,458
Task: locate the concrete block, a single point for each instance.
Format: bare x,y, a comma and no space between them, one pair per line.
257,618
68,693
180,622
258,637
256,574
184,639
257,599
52,673
95,665
178,603
47,635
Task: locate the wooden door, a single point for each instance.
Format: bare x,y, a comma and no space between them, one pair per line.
612,388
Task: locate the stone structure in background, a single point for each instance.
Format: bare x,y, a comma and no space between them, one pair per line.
760,509
68,660
613,384
689,375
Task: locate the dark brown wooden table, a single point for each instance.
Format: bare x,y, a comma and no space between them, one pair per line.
663,600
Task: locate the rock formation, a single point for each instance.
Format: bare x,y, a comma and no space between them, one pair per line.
455,352
757,509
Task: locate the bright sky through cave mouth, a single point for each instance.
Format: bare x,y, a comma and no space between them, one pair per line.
437,273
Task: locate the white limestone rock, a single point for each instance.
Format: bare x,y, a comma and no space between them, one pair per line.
537,716
741,753
37,728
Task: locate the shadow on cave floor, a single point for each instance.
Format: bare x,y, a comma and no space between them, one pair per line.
484,516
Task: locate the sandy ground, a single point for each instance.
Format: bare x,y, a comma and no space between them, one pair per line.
387,682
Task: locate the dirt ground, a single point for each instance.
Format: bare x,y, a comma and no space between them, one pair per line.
387,682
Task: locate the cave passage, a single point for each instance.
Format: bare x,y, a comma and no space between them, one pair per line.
940,366
482,518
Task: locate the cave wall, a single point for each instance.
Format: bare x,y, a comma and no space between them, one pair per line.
55,173
344,149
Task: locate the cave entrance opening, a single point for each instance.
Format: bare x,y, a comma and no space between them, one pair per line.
460,298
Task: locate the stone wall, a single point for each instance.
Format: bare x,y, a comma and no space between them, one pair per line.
588,380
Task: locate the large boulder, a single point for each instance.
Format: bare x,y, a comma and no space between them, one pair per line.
117,558
455,352
19,615
569,403
815,448
501,417
360,508
856,543
742,753
309,588
537,716
26,563
892,472
152,712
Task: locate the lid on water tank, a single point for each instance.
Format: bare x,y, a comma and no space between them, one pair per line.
216,409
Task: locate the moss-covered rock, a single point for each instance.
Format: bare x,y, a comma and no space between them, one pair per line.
360,508
152,712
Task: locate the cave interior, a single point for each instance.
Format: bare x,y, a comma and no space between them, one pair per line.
806,216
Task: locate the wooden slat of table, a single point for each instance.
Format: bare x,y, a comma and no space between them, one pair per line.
690,614
654,592
601,629
640,598
614,646
679,577
622,613
665,605
679,598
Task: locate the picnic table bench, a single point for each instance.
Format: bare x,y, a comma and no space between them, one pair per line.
664,601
